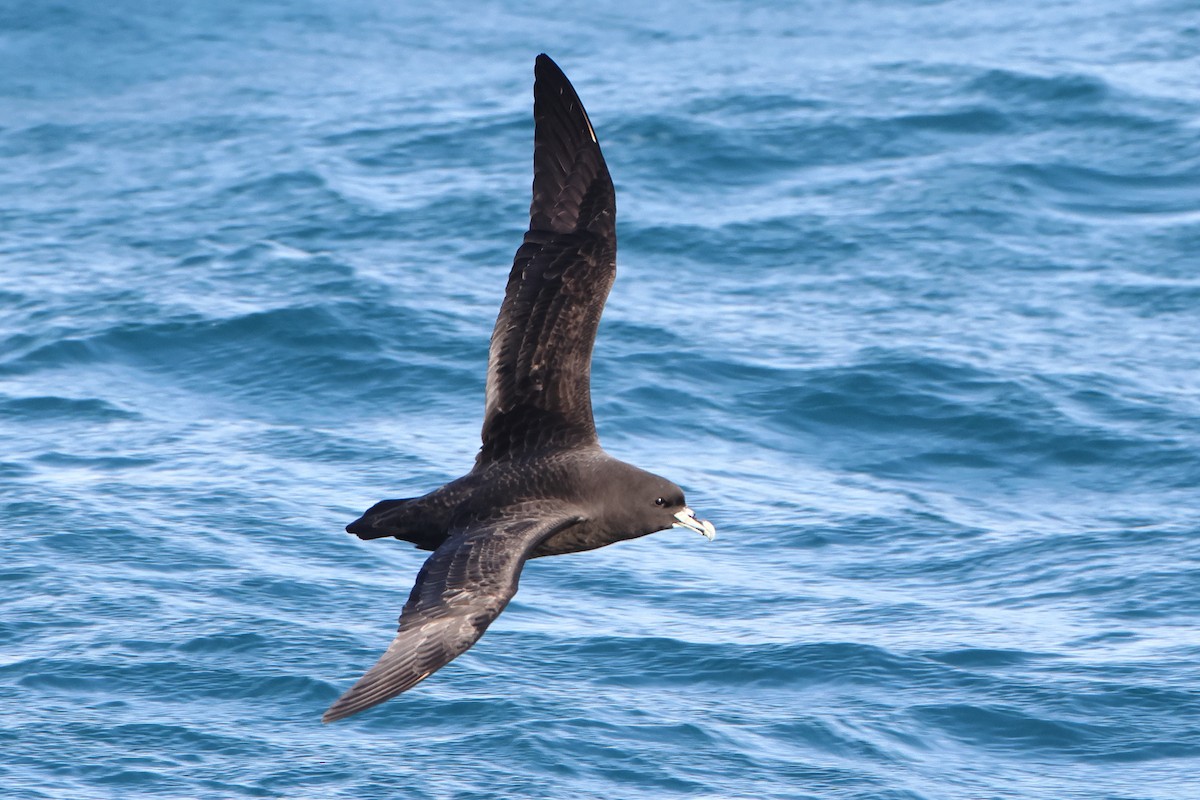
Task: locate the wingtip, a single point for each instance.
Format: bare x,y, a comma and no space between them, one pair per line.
547,72
571,185
331,716
347,705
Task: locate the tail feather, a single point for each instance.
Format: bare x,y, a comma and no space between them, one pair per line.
374,523
405,519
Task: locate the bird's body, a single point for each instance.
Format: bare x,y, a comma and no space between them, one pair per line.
554,476
541,484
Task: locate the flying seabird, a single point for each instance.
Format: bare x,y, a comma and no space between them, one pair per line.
541,484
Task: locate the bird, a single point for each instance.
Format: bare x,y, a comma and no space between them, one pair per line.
541,484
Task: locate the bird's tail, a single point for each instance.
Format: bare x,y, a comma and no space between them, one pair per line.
407,519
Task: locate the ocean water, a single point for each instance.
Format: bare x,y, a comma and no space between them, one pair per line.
908,301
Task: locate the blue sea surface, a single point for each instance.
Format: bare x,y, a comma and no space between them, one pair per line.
908,301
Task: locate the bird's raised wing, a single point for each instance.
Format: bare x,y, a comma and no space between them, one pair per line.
462,587
539,366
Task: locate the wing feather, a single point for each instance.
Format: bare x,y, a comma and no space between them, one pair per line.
459,591
539,366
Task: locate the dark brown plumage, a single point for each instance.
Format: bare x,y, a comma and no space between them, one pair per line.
541,484
539,367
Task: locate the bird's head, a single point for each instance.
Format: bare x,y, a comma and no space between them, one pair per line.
641,503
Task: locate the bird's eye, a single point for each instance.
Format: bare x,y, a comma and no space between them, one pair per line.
659,501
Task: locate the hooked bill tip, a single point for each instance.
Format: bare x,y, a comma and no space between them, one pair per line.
687,519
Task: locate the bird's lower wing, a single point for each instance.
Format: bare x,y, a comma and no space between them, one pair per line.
462,587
